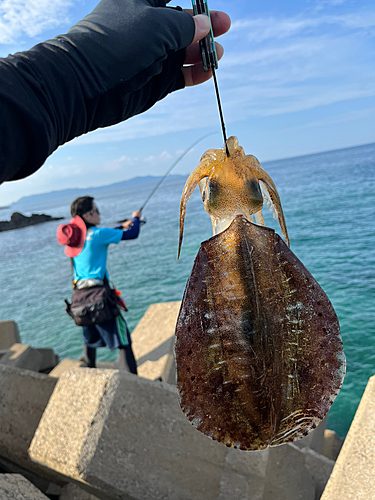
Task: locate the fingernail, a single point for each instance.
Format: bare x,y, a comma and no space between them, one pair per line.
203,22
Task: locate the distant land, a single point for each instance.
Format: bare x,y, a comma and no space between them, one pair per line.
18,221
75,192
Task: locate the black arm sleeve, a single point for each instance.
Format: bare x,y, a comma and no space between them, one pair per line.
133,232
115,63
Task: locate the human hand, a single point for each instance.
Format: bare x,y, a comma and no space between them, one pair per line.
127,224
116,63
138,214
193,71
146,38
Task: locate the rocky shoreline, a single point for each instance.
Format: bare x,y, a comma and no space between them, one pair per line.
18,221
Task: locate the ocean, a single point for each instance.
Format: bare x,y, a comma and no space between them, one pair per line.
329,206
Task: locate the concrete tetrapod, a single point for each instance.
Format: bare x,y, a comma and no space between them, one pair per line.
126,438
9,334
23,397
16,487
352,477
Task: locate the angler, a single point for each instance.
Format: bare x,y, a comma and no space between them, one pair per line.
97,306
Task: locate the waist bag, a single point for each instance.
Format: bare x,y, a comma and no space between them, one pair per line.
92,306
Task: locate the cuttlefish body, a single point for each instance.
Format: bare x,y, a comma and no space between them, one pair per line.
258,348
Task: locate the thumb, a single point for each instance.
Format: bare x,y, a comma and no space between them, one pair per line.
202,26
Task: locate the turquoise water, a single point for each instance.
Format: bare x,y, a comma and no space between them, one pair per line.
329,206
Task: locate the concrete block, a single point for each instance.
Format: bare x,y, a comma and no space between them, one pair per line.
64,366
238,487
43,484
247,463
74,492
16,487
3,352
244,475
108,365
130,439
287,475
49,359
153,342
23,398
332,444
320,468
125,437
9,334
22,356
53,490
352,477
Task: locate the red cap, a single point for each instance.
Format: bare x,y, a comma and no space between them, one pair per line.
73,235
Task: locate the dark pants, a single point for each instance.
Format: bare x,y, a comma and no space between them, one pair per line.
127,359
115,335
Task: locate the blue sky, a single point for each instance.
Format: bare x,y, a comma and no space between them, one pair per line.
297,77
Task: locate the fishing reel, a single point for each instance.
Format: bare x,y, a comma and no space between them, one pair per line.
142,221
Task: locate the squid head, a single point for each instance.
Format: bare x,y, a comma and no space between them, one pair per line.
230,186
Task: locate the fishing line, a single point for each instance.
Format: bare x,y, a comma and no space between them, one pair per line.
172,167
210,61
167,173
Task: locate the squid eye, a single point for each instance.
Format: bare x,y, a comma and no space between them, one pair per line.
213,186
213,190
254,190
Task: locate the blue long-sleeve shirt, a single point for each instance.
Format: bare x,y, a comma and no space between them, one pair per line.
92,261
132,232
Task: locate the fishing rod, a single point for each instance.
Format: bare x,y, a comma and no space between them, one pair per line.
210,61
168,172
172,167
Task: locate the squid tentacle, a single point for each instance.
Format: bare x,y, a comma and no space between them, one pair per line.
203,170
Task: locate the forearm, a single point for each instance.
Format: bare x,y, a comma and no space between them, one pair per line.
133,232
115,63
45,107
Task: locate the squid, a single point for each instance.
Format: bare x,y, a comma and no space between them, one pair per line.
258,349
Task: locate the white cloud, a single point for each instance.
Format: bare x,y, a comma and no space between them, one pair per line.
270,55
295,64
273,101
292,64
118,164
357,20
261,29
322,4
163,156
332,60
31,17
290,76
246,102
337,120
274,28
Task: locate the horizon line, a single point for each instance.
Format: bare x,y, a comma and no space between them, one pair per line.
181,175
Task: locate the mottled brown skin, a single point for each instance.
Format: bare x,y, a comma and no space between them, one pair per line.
258,348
